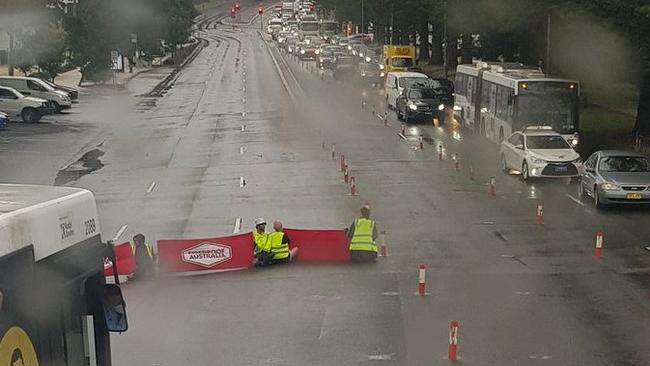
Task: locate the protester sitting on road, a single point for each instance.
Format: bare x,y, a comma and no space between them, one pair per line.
363,234
261,244
279,243
144,257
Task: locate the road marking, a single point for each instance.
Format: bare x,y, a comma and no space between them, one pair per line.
539,357
119,233
507,256
243,100
388,357
152,186
242,182
401,136
243,128
575,199
241,150
244,88
237,227
522,293
390,293
243,114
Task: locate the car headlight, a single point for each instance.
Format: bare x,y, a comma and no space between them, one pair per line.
367,59
381,74
381,67
610,187
317,52
539,161
290,49
349,48
302,52
457,108
413,107
441,107
573,141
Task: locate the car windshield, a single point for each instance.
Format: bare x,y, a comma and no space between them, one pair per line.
408,82
402,62
371,67
630,164
422,94
547,142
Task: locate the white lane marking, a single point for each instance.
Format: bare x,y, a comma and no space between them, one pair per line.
243,100
119,233
243,114
402,136
539,357
390,293
243,128
522,293
152,186
574,199
244,88
237,227
388,357
241,150
647,248
242,182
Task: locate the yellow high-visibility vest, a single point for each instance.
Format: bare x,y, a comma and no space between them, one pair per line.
362,236
261,242
149,249
278,249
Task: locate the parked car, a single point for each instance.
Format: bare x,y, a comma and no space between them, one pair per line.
33,87
14,103
4,121
72,92
419,102
539,152
615,177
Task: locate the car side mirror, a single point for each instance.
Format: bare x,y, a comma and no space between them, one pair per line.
520,147
114,309
27,93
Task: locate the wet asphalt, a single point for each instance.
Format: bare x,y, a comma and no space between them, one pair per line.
171,166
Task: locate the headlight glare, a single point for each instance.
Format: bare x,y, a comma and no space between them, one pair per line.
609,187
441,107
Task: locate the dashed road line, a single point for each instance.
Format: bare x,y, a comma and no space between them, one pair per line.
242,182
119,233
152,186
243,128
575,200
237,227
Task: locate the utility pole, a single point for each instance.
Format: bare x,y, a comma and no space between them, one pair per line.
392,22
548,44
445,63
10,61
362,20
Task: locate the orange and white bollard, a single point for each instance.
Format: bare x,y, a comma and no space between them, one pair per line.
452,351
353,186
403,130
421,139
382,244
346,174
540,214
422,279
385,119
493,186
471,172
333,151
600,239
342,162
439,152
456,162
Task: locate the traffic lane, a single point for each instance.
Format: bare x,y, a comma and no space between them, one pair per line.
544,267
196,188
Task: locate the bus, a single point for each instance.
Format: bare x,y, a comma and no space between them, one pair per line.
309,28
55,307
499,98
328,29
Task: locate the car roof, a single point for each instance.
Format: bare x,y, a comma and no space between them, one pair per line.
620,153
406,74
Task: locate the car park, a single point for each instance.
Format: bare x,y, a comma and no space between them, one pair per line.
397,81
15,104
418,102
615,177
539,152
34,87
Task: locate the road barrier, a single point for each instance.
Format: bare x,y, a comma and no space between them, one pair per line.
456,162
403,130
600,240
493,186
422,279
346,174
540,214
342,162
440,152
333,151
421,139
452,350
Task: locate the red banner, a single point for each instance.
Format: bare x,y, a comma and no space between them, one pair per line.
213,255
124,258
236,252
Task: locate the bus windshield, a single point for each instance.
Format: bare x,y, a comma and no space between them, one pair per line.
555,108
402,62
309,27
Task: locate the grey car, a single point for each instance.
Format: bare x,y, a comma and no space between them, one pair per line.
615,177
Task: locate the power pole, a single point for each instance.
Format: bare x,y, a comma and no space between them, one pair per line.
362,20
548,44
445,62
10,61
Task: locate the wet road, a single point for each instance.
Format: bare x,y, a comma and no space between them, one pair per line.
171,167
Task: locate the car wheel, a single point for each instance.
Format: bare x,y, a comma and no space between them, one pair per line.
525,175
56,106
597,201
504,165
30,115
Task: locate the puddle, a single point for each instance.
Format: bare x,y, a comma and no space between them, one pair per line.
87,164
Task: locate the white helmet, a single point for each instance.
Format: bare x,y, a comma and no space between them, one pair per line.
259,221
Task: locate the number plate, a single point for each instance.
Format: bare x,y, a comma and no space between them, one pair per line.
562,169
634,196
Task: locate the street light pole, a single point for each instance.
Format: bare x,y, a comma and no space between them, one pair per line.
445,65
548,44
362,20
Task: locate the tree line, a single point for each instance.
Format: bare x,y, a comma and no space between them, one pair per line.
601,42
52,37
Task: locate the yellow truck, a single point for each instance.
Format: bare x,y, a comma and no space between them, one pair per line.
398,58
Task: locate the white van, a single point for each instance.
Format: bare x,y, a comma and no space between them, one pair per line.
34,87
30,109
397,81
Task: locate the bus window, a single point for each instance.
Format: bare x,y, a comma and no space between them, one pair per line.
114,309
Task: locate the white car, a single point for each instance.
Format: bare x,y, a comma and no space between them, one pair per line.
396,81
15,104
539,152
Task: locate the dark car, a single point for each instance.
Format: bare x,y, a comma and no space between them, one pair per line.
419,103
4,120
345,67
370,73
325,60
444,91
72,93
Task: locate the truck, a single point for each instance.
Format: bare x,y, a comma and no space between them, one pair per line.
287,9
398,57
309,28
328,28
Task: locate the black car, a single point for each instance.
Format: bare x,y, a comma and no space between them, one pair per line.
370,73
444,90
419,103
345,67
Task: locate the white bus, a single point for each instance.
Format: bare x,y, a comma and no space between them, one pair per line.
497,99
55,308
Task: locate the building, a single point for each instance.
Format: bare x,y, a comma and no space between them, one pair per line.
4,47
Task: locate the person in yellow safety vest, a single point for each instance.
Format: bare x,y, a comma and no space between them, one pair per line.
279,243
144,256
261,244
363,234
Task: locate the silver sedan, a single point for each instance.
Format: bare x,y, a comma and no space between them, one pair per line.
615,177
